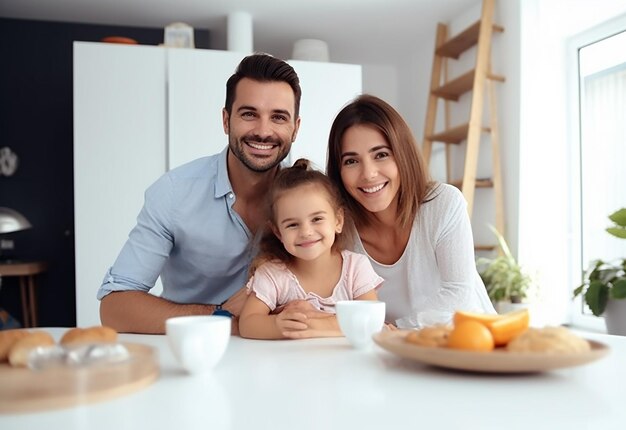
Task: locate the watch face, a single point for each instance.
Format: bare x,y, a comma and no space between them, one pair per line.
222,312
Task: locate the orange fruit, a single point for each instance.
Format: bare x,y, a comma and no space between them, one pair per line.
502,327
510,326
471,335
485,319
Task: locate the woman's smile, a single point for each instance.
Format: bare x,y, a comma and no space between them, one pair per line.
368,168
374,188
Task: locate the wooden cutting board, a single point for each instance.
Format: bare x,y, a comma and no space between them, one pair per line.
25,390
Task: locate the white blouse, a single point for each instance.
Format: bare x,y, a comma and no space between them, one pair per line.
436,275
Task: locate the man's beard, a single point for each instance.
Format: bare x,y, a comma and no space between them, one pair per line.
236,147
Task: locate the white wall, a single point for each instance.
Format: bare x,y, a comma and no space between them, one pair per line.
414,80
381,80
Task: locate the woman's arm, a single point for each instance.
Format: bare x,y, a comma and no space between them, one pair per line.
461,287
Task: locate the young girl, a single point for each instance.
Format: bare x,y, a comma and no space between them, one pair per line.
302,259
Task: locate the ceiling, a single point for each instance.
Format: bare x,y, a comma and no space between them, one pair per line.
376,31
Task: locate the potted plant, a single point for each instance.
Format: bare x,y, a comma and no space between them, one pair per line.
507,284
604,283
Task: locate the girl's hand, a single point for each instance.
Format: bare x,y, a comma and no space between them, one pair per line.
302,321
288,321
324,325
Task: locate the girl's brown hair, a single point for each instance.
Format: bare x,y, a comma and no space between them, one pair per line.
300,174
415,182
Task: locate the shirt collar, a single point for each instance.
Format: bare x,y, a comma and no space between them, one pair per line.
222,184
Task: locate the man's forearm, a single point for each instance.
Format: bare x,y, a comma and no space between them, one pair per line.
139,312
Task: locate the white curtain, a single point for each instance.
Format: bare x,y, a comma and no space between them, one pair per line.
603,161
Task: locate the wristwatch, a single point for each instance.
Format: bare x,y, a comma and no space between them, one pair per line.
219,311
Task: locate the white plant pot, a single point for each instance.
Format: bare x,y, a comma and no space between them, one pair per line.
615,317
506,307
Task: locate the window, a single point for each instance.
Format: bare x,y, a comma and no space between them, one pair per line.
600,162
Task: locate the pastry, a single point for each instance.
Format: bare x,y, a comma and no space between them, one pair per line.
18,355
556,340
8,339
96,334
434,336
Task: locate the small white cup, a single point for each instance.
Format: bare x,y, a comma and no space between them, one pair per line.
198,342
360,319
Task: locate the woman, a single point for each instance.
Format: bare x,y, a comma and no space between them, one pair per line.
416,232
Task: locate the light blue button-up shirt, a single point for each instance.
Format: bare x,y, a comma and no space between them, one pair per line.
188,233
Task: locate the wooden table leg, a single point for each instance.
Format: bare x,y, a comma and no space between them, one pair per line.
24,293
32,301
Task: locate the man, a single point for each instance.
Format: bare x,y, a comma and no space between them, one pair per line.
195,227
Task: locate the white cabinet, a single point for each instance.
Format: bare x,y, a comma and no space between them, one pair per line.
197,91
119,149
141,110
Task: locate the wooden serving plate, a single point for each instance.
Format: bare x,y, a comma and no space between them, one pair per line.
25,390
497,361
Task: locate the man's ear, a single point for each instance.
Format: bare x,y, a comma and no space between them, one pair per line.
340,219
225,121
295,130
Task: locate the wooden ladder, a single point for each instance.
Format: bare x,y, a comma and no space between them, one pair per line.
477,81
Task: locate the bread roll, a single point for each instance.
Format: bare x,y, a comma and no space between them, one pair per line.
8,339
554,340
435,336
96,334
18,354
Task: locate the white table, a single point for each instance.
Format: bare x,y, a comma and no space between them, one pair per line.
325,384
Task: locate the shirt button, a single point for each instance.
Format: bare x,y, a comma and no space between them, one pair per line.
231,195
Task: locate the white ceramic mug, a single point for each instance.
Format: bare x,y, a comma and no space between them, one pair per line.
360,319
198,342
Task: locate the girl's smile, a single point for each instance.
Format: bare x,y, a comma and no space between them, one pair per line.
306,222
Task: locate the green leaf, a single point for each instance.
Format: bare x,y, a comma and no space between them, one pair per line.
579,290
617,232
596,297
619,289
619,217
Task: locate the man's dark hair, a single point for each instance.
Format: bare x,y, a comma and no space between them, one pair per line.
263,68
